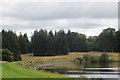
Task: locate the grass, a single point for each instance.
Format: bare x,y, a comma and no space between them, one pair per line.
30,61
70,57
13,70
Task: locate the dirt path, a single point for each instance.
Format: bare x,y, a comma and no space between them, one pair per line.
1,62
54,63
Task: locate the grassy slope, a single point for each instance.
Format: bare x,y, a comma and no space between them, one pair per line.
11,70
34,61
70,57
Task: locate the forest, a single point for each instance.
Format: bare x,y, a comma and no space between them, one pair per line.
44,43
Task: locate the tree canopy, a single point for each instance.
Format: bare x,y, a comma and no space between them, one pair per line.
60,42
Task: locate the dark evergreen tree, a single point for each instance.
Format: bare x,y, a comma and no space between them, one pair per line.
61,44
77,42
0,40
29,47
23,41
10,45
50,44
10,41
117,41
70,40
106,40
82,43
39,42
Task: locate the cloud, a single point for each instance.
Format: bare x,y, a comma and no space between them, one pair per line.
61,10
60,24
85,17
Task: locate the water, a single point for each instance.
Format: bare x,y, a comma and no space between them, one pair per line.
93,75
108,70
96,70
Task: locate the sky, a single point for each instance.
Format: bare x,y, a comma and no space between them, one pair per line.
87,17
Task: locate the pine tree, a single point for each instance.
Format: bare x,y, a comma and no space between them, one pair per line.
61,44
23,41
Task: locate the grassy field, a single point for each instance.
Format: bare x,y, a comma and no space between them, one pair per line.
26,58
12,70
20,70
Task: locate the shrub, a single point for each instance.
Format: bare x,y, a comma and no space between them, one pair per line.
87,57
17,57
94,59
7,55
79,60
104,58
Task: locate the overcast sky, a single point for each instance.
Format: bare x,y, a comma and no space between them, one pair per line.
89,18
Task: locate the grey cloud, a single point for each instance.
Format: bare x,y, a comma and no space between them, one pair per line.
66,10
86,25
51,25
55,16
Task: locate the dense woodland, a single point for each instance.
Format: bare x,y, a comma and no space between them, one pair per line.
45,43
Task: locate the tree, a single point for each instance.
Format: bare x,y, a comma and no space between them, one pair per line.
23,42
29,47
39,42
50,44
93,43
61,44
77,42
70,40
43,43
10,41
82,43
0,40
106,40
117,41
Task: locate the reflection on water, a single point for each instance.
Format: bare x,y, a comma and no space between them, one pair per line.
96,70
89,70
93,75
98,65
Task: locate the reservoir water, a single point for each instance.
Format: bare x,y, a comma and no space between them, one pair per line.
107,71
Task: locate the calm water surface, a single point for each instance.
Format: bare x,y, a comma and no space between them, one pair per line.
96,70
108,70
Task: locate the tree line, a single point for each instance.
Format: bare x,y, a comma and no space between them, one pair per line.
60,43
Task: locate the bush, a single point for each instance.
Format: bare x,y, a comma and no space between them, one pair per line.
79,60
94,59
104,58
17,57
7,55
87,57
